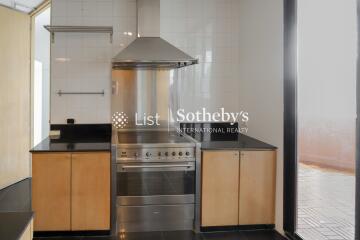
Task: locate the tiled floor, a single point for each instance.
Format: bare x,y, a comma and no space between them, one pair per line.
185,235
326,204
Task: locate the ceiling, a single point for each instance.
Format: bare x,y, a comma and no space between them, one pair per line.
22,5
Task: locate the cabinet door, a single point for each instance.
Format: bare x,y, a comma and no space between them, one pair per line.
220,188
51,191
90,199
257,187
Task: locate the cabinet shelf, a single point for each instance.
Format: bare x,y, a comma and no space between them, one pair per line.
78,29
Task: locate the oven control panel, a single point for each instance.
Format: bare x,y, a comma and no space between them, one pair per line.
156,154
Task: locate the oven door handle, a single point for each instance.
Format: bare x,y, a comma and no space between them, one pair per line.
156,166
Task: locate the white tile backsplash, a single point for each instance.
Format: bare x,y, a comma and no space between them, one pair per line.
104,8
90,8
204,29
82,61
58,8
74,8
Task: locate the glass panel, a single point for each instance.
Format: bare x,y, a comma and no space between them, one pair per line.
155,183
327,48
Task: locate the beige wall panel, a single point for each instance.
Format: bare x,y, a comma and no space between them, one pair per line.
14,96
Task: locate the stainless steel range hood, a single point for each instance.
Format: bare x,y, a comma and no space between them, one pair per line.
148,50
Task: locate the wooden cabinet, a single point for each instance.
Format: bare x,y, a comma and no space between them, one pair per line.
71,191
51,174
90,191
220,185
238,188
257,187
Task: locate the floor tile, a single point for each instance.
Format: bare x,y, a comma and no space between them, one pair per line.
58,238
262,235
224,236
141,235
99,238
181,235
326,204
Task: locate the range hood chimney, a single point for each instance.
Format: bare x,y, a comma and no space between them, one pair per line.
148,50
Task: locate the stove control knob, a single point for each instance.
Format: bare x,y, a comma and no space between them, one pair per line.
187,153
136,154
159,154
173,153
180,153
148,154
166,154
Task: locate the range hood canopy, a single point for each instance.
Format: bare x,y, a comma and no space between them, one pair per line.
148,50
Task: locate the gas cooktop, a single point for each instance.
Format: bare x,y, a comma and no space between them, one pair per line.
153,138
154,146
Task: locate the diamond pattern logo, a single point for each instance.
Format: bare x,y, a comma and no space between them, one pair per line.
119,120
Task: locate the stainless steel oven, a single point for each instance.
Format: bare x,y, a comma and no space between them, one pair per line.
155,185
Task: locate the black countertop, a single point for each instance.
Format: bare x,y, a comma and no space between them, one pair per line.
13,224
15,209
223,136
242,142
72,145
77,138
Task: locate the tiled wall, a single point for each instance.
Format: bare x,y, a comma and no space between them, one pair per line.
208,30
82,61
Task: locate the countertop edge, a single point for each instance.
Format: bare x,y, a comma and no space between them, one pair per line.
45,146
65,151
18,234
237,148
31,217
221,144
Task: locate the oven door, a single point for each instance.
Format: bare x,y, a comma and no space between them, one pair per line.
155,183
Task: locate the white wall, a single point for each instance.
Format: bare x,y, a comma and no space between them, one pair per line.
209,31
261,76
240,47
82,62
